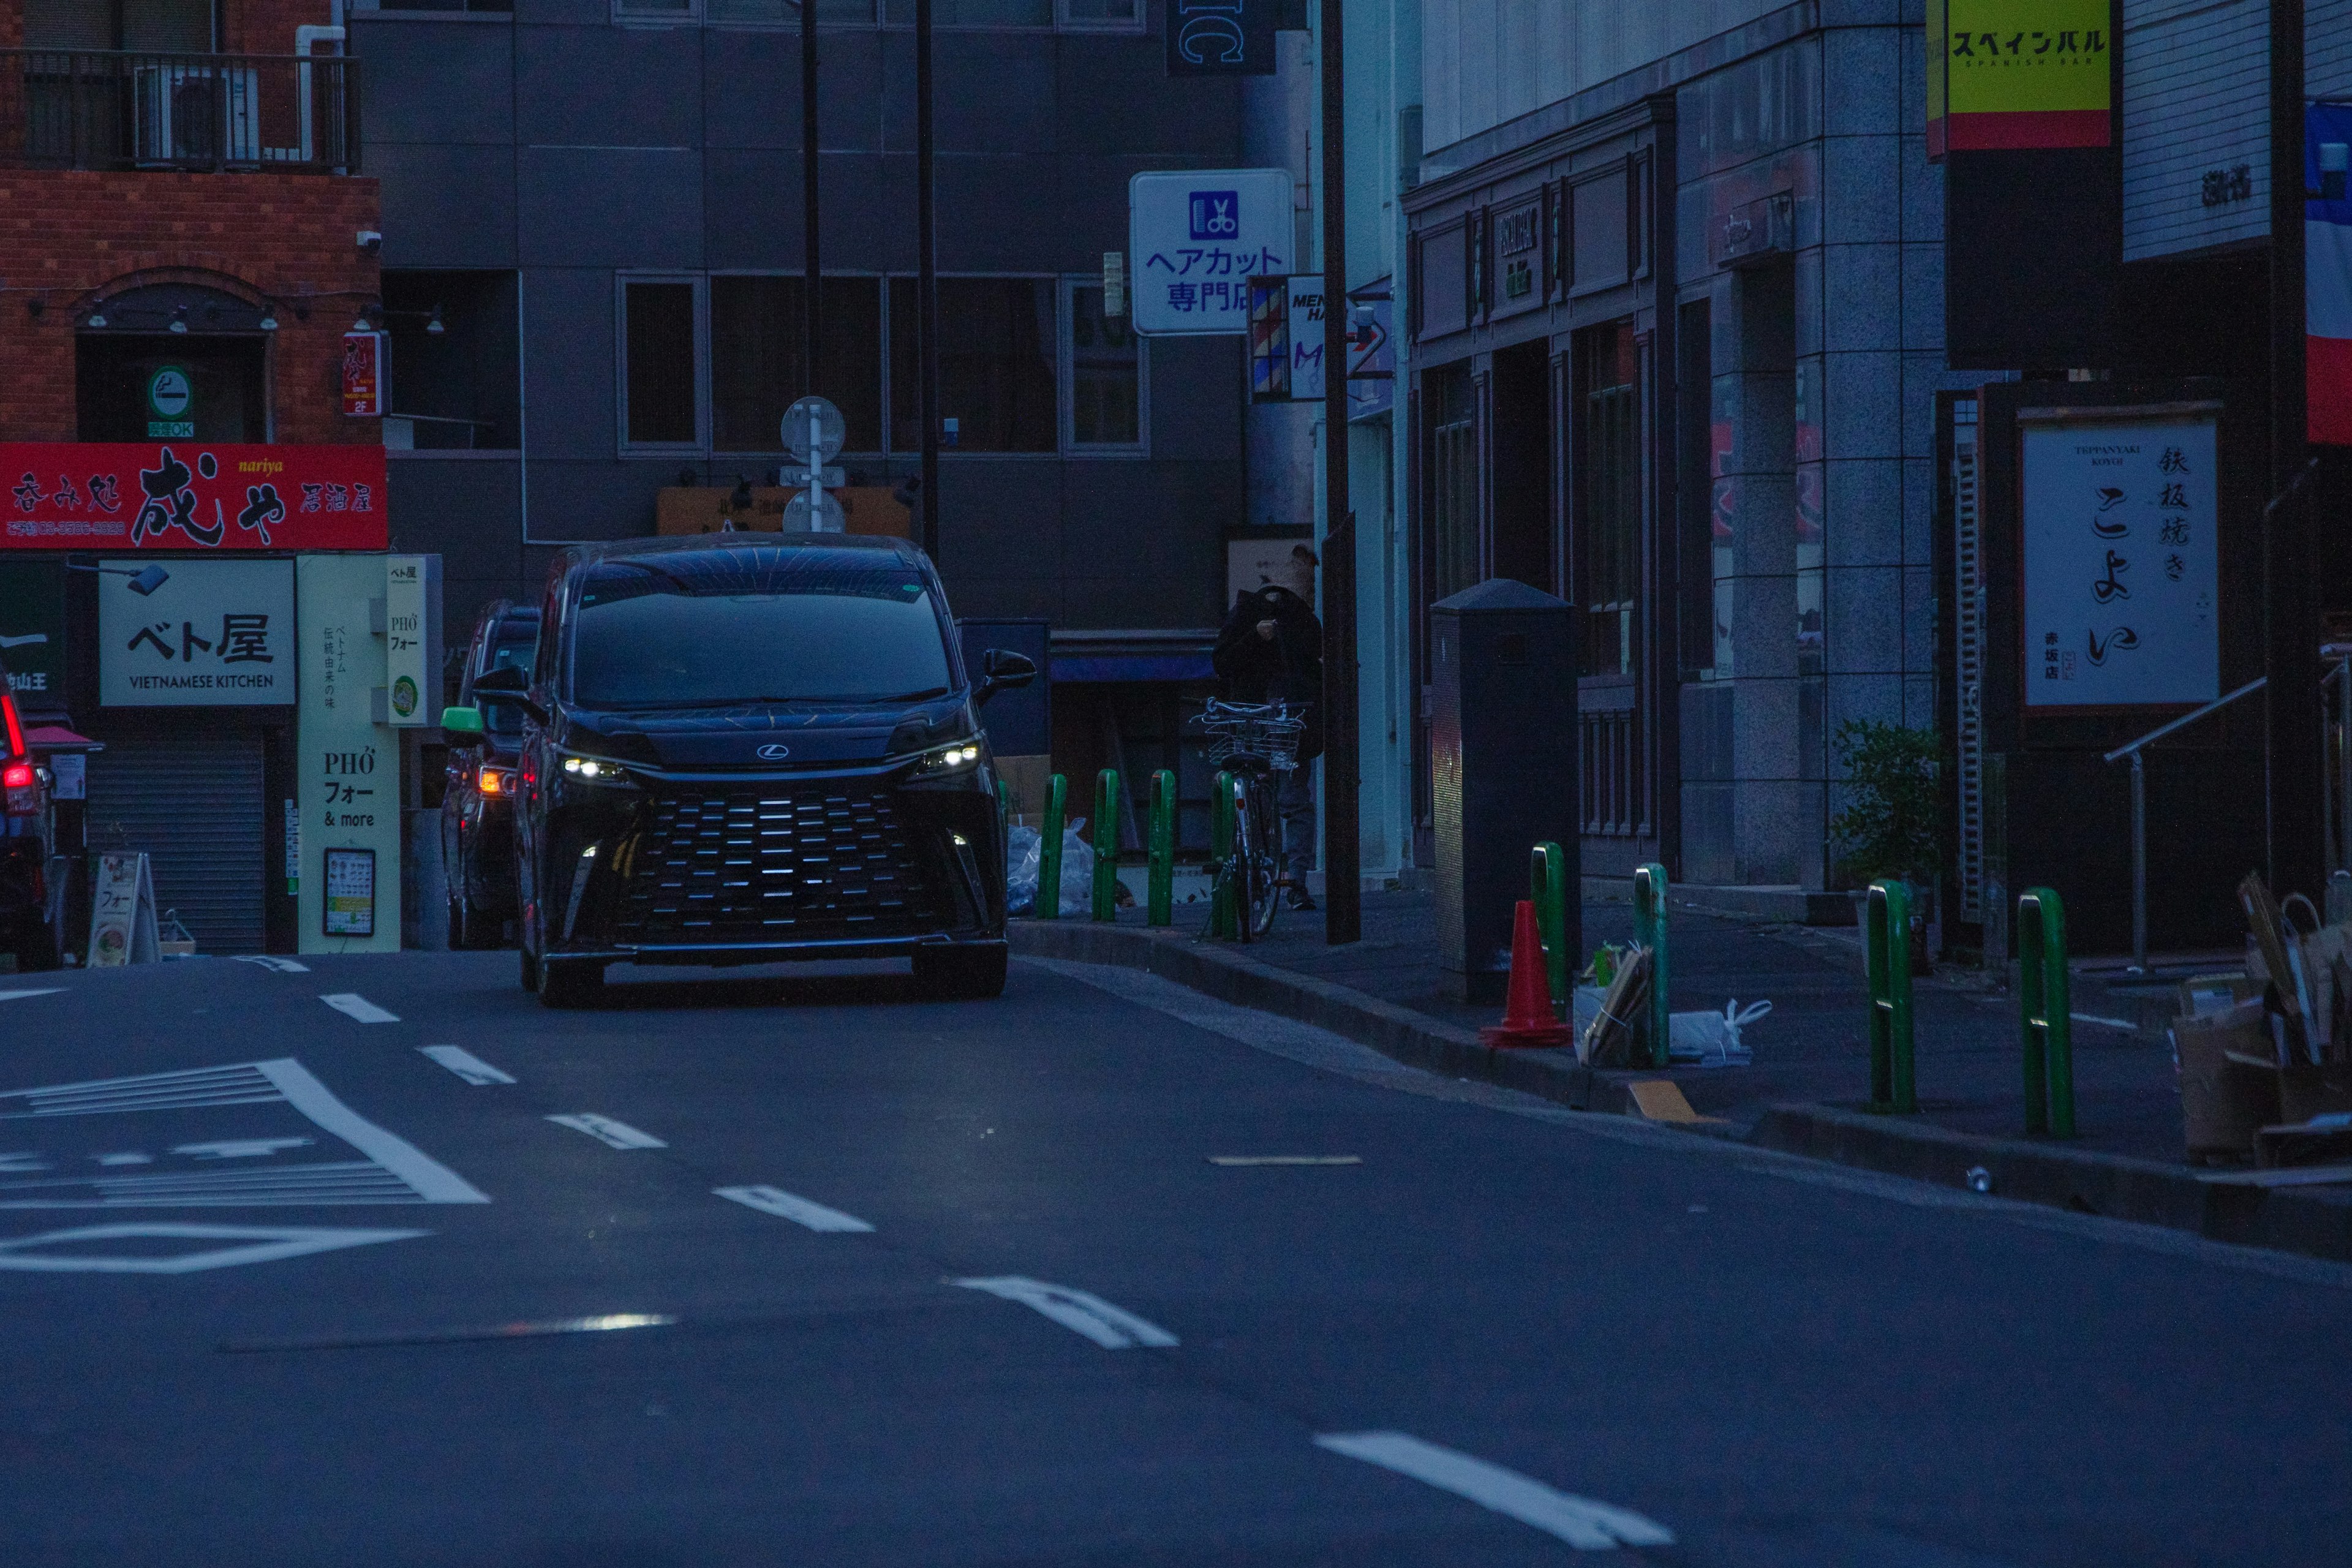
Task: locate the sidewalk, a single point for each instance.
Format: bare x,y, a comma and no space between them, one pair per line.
1808,1089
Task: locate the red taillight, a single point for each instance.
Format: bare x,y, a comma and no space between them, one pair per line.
491,781
23,787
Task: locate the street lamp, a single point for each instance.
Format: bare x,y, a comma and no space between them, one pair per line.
143,581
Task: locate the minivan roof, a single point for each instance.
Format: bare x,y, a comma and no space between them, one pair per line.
580,555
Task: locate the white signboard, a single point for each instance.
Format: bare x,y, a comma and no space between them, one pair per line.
211,634
121,912
1195,239
348,773
412,693
2122,564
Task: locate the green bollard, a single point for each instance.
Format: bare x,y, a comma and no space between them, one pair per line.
1893,1086
1548,890
1223,918
2044,998
1650,930
1003,803
1106,845
1160,901
1049,851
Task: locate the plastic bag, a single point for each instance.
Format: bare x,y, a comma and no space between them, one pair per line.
1023,849
1712,1039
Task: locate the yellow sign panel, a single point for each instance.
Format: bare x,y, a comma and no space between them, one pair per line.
2015,74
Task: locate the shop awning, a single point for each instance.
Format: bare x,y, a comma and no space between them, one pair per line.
54,738
1132,655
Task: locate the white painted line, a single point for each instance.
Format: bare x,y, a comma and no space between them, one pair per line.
351,1003
466,1064
434,1182
20,995
1587,1525
1113,1328
800,1211
604,1130
1286,1159
260,1245
269,961
2124,1023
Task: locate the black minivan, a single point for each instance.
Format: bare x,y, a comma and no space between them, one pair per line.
739,748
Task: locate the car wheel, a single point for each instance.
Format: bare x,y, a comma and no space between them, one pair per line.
457,931
529,968
570,982
960,974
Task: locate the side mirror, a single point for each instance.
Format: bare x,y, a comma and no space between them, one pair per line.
508,678
462,722
1002,669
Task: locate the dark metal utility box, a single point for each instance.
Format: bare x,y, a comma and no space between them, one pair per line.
1504,768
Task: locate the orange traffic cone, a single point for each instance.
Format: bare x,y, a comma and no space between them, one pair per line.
1527,1018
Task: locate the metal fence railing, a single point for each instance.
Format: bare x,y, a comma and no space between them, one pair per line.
75,110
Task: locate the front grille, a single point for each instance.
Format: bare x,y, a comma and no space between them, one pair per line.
774,865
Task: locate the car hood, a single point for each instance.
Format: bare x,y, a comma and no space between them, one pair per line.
764,737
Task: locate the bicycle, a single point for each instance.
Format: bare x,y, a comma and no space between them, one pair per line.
1254,743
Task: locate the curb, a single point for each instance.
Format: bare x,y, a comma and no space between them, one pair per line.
2115,1186
1397,1033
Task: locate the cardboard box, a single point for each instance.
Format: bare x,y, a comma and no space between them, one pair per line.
2224,1102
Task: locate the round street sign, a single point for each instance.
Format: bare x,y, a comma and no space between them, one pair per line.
170,393
831,430
828,518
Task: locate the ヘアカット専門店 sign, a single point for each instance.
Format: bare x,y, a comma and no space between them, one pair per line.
191,495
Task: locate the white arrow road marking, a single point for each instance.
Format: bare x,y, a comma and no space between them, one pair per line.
466,1064
800,1211
260,1245
351,1003
604,1130
1587,1525
20,995
270,961
1113,1328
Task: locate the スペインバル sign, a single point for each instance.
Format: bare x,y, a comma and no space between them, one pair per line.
211,634
190,495
1194,241
2013,74
2122,564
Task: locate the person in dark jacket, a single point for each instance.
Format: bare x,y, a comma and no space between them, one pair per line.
1270,650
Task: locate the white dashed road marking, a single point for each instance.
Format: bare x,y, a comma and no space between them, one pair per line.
268,961
352,1005
466,1064
1113,1328
800,1211
20,995
253,1245
1587,1525
604,1130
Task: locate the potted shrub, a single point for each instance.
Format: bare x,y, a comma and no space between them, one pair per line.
1891,828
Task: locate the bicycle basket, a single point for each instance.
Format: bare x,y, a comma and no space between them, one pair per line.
1267,733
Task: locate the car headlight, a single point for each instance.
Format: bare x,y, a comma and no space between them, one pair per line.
953,757
594,770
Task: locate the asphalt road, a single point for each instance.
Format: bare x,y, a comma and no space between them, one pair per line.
323,1300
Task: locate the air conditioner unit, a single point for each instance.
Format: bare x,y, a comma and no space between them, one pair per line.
196,114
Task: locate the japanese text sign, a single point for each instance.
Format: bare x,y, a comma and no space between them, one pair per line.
214,632
33,630
2122,564
2004,75
1196,240
363,374
189,495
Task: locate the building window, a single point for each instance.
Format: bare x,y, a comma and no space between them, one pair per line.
997,343
455,377
759,361
657,10
787,12
973,12
1102,365
1454,559
659,365
1609,519
1110,15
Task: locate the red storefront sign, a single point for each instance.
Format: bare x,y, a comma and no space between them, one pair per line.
363,374
191,495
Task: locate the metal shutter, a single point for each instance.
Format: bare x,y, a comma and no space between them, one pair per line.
190,795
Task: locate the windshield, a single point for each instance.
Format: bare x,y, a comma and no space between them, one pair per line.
511,646
646,638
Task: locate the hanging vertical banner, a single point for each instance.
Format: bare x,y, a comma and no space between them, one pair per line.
2327,272
1221,38
2007,75
362,375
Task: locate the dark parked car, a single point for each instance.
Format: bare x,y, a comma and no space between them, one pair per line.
477,798
741,748
26,928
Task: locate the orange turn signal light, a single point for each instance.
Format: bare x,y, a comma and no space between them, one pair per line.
491,781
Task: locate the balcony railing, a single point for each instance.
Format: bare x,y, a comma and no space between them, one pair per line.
70,110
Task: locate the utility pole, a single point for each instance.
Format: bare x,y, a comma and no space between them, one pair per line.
927,281
2292,770
1343,910
809,193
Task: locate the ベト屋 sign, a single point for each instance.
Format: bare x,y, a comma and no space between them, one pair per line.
190,495
2122,562
211,634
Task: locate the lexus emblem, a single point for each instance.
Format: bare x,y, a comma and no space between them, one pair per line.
774,754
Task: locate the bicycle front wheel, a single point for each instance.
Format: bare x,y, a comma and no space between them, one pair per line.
1261,876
